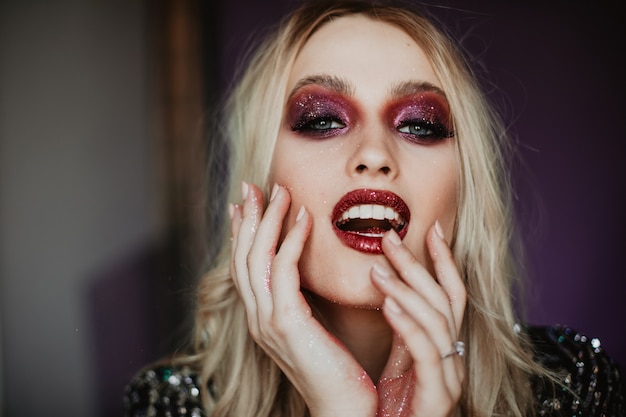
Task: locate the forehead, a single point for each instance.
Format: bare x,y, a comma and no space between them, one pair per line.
369,54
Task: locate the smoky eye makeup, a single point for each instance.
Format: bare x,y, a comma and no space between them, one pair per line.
318,113
422,118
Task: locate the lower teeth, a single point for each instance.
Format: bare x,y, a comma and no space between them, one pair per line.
371,234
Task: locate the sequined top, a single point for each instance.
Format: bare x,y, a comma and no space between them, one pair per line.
590,378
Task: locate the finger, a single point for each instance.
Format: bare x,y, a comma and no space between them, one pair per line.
417,277
447,273
285,273
450,280
438,380
415,307
432,391
235,223
418,312
245,230
263,249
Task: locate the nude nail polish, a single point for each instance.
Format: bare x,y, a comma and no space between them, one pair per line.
300,213
244,189
394,238
274,191
439,230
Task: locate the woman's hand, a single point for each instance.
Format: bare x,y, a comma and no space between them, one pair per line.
426,314
280,321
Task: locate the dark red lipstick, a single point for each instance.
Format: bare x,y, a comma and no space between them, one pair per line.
361,218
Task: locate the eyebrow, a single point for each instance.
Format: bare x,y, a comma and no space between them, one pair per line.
343,87
408,88
331,82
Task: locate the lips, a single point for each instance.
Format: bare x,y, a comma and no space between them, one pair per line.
361,218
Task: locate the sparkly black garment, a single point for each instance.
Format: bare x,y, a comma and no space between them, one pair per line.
586,370
592,385
163,392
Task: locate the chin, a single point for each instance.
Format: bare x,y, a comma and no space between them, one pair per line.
353,290
339,274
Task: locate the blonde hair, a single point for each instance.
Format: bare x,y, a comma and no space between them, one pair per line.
241,379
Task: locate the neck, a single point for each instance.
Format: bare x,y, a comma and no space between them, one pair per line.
365,333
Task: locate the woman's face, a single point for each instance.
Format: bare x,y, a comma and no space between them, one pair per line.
365,144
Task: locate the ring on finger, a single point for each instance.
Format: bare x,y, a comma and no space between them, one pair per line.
458,348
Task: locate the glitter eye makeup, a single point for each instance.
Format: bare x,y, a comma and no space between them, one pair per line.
422,118
318,113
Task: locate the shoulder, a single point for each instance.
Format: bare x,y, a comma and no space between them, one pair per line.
162,390
590,380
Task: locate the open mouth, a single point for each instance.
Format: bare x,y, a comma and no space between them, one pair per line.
370,220
362,217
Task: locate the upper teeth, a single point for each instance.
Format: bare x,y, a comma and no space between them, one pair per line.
370,211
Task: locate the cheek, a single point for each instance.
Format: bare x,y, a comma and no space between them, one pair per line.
446,199
304,171
304,168
290,163
448,192
436,182
435,199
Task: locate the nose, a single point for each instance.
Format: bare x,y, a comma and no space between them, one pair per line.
373,156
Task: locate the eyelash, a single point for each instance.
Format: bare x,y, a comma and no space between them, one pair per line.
426,131
313,125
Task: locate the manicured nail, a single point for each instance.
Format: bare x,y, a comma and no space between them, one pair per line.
244,189
394,238
380,272
392,306
231,210
439,230
274,191
300,213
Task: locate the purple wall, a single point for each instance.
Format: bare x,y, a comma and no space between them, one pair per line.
85,267
554,70
557,70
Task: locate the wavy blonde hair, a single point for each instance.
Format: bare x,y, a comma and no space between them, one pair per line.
239,378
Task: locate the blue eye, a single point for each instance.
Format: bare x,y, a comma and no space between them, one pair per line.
322,125
326,123
423,130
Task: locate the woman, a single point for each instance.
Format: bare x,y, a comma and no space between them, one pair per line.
368,268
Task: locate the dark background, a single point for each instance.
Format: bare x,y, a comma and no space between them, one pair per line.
101,109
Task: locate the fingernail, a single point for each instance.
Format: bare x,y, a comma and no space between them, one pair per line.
300,213
392,306
394,238
244,189
274,191
380,272
231,210
439,230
